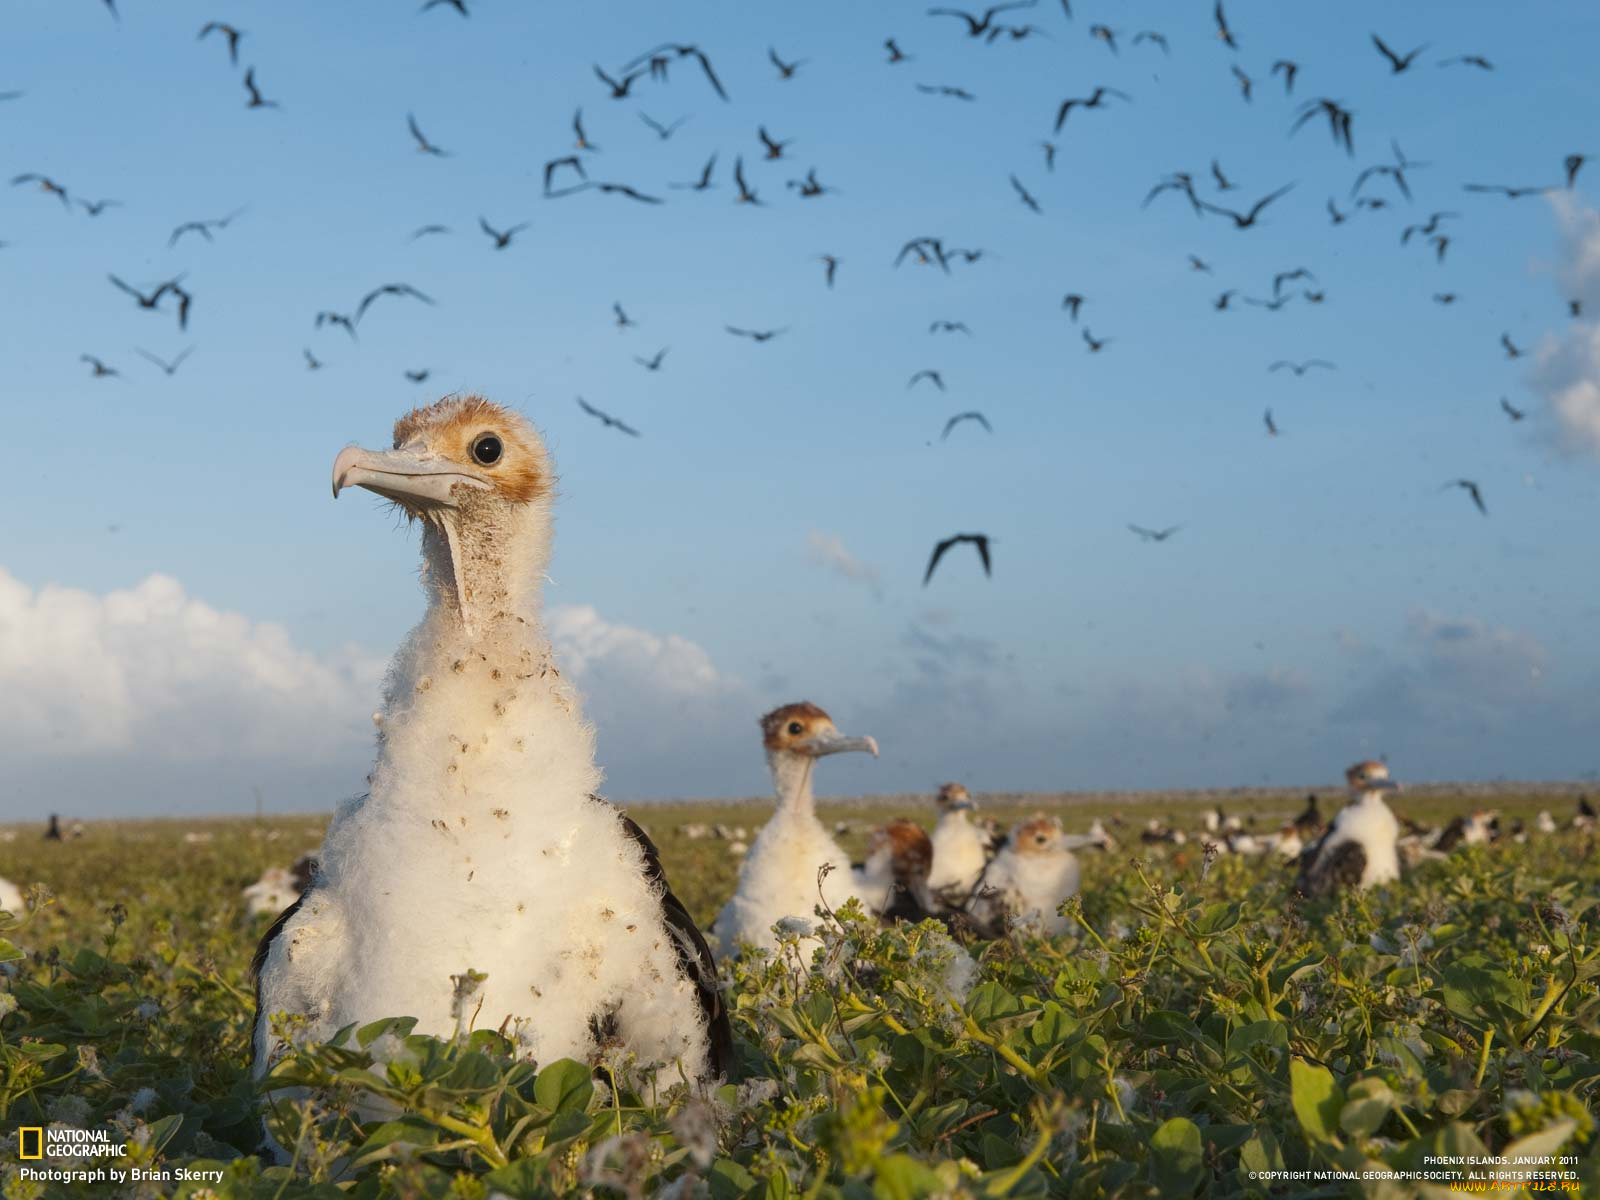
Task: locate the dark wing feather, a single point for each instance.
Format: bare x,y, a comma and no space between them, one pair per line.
259,960
694,955
1338,870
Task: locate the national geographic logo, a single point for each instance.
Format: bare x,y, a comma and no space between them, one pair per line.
33,1141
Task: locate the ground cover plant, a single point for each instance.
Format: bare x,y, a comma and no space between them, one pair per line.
1194,1031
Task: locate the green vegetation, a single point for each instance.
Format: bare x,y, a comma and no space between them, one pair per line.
1195,1029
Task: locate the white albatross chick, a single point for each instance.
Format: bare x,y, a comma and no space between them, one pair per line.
11,898
778,879
481,846
1361,847
1030,877
961,850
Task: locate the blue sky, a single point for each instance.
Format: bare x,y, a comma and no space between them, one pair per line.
765,539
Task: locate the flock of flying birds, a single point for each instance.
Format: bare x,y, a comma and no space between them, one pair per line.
1376,187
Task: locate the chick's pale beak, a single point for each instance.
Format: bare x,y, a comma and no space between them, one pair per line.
410,478
836,743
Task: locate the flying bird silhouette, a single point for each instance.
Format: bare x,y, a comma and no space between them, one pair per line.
1150,35
1023,193
571,161
785,70
1301,368
1471,489
810,185
1095,344
1104,33
1224,184
1469,60
607,189
1511,348
389,289
424,146
332,318
978,26
623,320
502,238
1339,121
459,5
228,31
756,335
1272,426
943,90
619,87
1246,220
1397,63
830,267
662,131
607,419
1510,193
950,327
895,53
932,376
682,51
1245,82
1289,69
652,364
99,369
255,100
1095,99
1155,535
425,230
980,540
1223,31
169,368
774,148
704,182
46,185
966,416
419,376
95,207
746,194
1516,414
1178,181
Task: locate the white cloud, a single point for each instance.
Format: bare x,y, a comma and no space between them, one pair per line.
603,655
828,550
154,670
1566,369
147,699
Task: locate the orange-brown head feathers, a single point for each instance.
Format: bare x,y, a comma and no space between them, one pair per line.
1037,835
910,849
495,444
953,796
783,727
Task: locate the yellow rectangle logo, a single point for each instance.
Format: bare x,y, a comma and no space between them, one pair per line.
30,1141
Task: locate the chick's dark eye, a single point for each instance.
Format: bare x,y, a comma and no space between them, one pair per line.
486,450
794,728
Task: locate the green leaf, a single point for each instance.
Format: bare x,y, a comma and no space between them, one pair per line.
1370,1101
9,952
1177,1157
1544,1143
368,1034
990,1001
524,1179
901,1177
564,1086
1316,1098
